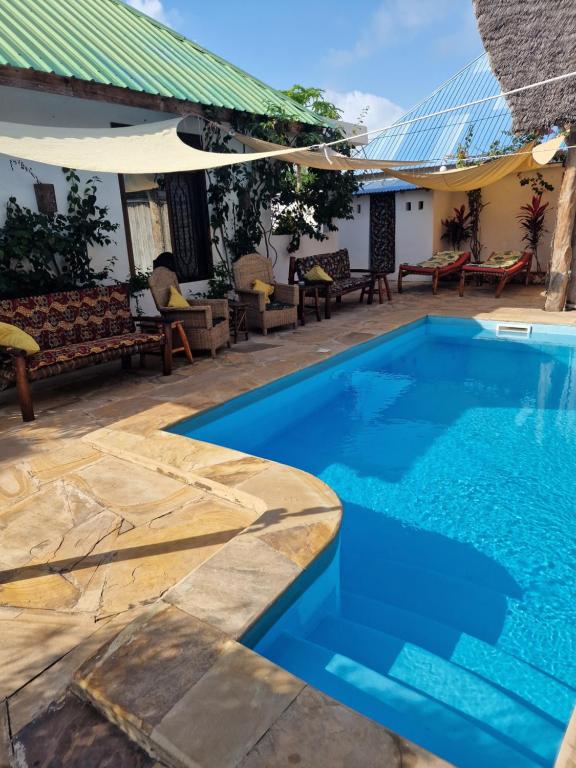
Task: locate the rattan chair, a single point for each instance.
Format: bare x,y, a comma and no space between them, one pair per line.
205,320
282,309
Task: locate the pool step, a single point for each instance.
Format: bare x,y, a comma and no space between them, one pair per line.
454,686
521,679
414,715
466,606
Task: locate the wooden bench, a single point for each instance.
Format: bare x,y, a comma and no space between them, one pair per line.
74,329
337,265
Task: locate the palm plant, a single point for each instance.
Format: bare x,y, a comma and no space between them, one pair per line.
457,228
531,218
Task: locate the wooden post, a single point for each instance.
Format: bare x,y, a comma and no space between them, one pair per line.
563,233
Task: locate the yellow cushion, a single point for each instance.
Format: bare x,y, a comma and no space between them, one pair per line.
11,336
262,287
317,274
176,299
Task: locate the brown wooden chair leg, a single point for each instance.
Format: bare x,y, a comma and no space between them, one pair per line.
380,290
501,285
166,348
184,341
435,278
317,305
371,290
462,283
23,388
327,307
387,288
361,299
400,276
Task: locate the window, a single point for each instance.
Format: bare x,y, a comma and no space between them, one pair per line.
189,229
420,205
169,213
408,206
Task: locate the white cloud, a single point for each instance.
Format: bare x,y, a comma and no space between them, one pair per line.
153,8
394,21
381,111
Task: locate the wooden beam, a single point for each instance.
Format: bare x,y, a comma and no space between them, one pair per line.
47,82
562,252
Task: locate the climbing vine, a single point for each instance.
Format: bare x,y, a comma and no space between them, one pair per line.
251,201
40,253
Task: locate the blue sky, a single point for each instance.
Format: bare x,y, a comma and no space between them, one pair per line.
386,55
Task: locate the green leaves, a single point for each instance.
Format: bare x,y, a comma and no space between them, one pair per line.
40,253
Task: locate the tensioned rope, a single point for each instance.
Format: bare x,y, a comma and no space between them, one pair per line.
447,110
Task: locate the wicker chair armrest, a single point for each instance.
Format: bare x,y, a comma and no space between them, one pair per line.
196,317
254,299
288,294
219,307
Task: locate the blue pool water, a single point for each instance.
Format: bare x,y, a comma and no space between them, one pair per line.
447,611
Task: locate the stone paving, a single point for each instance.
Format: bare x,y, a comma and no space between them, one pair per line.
133,559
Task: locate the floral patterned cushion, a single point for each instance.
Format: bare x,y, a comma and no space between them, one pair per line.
502,259
336,264
71,317
71,352
441,259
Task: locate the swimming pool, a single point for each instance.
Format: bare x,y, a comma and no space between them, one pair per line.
447,610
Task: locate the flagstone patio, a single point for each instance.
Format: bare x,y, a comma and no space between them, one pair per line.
133,559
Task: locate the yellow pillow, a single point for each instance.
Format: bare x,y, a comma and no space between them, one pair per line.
11,336
262,287
317,274
176,299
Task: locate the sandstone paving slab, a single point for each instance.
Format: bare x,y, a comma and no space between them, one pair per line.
51,685
71,733
226,712
16,483
140,564
232,589
43,538
57,463
133,492
318,732
30,643
146,670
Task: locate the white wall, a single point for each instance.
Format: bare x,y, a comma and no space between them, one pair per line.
354,234
414,227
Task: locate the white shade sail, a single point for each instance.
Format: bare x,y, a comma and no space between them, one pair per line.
149,148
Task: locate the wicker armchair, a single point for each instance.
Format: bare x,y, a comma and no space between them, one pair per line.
282,310
205,320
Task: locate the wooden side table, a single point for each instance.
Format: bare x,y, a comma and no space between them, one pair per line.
308,289
238,319
178,331
383,285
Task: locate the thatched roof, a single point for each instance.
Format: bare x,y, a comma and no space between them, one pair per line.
528,41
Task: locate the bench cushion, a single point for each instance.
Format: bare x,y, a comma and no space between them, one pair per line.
336,264
71,317
51,362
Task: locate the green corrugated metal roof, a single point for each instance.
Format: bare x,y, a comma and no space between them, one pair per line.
109,42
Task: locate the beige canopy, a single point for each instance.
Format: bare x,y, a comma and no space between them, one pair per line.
329,160
144,149
477,176
155,148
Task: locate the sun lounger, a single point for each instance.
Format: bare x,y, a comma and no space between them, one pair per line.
440,265
502,265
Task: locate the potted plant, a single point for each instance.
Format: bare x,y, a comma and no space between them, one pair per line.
531,218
